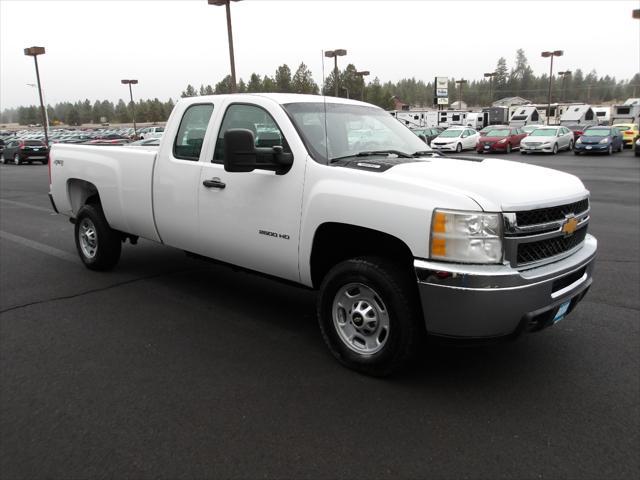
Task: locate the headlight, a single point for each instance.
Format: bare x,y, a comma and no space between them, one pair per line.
579,140
604,140
546,144
502,141
469,237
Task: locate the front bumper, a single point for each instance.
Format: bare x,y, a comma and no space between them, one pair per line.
591,147
450,147
495,147
485,301
539,148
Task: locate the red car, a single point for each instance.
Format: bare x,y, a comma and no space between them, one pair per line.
500,139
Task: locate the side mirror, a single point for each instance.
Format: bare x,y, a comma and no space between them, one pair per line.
423,138
239,150
241,154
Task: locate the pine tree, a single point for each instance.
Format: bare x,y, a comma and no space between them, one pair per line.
283,79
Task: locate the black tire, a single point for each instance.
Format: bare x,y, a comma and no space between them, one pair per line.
108,244
16,159
508,148
397,292
522,152
570,146
45,162
610,150
555,149
458,148
575,152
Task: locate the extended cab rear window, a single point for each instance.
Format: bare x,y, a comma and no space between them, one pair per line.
193,126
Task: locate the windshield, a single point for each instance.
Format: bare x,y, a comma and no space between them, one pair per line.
622,128
600,132
503,132
450,133
350,129
543,133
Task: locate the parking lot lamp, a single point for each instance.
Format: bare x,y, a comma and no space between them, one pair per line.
564,75
362,74
335,54
490,76
34,52
554,53
227,3
460,83
133,105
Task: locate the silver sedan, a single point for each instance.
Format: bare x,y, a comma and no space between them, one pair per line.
548,140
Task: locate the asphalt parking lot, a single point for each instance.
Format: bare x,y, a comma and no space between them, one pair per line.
170,367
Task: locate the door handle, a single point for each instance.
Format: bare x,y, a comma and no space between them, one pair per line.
214,183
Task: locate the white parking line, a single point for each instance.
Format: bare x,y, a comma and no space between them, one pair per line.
27,205
41,247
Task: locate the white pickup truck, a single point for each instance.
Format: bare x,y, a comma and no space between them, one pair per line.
339,196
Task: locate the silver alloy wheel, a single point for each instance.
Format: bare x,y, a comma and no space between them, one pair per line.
16,159
555,148
360,318
88,237
570,145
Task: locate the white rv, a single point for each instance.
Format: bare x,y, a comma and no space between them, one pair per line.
579,115
627,113
603,114
525,115
416,118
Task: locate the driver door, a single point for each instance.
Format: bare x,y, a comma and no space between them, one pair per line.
252,219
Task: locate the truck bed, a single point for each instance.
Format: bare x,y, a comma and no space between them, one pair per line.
123,176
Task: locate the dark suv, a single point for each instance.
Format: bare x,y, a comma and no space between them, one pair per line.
21,151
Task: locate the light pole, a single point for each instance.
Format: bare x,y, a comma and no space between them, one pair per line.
564,76
490,76
133,105
46,114
460,83
34,52
555,53
335,54
362,74
227,3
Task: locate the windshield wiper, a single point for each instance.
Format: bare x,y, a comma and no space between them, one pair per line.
422,153
371,153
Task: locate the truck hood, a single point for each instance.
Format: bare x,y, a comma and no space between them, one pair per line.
496,185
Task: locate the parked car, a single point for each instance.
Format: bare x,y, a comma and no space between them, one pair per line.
502,139
577,130
456,139
629,132
547,140
25,151
599,139
427,134
147,142
484,131
151,132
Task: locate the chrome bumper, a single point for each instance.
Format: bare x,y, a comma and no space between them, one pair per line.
483,301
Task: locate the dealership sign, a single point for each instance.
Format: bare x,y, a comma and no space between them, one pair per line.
443,100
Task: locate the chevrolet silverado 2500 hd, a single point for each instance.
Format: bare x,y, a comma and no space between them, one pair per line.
337,195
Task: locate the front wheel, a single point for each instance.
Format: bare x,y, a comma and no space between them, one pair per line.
98,245
555,149
16,159
570,146
458,148
508,148
369,315
610,150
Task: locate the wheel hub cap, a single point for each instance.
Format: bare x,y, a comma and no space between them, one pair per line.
360,318
88,238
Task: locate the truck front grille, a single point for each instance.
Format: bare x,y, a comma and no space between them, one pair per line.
552,214
535,237
536,251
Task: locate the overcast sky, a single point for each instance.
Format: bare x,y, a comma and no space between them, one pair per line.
91,45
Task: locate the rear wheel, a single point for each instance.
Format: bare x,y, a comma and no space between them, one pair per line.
98,245
16,159
369,315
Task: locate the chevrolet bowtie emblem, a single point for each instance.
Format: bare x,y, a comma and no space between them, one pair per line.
570,226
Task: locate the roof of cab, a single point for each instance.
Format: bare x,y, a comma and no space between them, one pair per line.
281,98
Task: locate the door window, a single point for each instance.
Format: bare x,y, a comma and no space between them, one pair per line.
250,117
193,126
